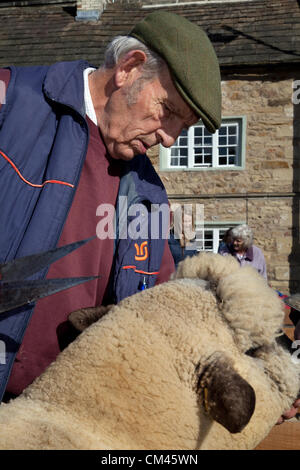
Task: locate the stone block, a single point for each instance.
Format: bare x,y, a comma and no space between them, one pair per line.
282,273
274,164
284,245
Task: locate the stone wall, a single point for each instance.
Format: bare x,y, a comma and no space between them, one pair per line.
91,4
263,194
268,109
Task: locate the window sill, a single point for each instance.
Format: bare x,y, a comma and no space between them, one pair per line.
230,168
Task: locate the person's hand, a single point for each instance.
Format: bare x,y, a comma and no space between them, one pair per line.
291,413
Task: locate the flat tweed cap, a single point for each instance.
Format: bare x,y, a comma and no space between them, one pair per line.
191,59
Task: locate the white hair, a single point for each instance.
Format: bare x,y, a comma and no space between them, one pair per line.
121,45
244,233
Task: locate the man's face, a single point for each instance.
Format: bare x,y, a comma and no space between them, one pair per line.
157,115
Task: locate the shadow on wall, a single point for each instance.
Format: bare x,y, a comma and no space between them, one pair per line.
295,253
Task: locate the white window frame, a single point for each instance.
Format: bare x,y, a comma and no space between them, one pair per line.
217,229
165,153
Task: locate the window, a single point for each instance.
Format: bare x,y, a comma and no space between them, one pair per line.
209,237
196,148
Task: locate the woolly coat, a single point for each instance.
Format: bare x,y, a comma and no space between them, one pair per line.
136,378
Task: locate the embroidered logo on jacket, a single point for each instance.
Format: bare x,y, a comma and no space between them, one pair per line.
141,251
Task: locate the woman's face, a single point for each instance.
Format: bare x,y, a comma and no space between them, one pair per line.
238,244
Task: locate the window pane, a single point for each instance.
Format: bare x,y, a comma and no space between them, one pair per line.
222,161
223,130
222,141
232,130
198,131
174,152
183,161
198,159
222,232
183,152
208,240
232,140
183,141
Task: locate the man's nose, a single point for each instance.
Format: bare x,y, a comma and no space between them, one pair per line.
167,136
169,131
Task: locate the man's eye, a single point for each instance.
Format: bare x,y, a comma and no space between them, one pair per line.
167,109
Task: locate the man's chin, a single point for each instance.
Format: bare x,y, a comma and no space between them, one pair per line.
123,156
126,154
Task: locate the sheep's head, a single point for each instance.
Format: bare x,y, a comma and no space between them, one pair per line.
213,327
254,314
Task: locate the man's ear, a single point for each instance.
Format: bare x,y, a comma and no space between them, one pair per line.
129,67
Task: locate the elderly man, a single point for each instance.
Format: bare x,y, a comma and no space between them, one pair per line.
72,145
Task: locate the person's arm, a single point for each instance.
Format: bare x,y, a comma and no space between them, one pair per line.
293,411
224,250
264,268
167,265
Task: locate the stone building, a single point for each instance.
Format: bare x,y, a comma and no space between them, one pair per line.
246,173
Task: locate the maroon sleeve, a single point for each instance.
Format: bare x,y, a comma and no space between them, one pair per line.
4,81
167,265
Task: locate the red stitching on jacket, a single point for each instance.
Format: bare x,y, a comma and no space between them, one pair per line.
28,182
138,270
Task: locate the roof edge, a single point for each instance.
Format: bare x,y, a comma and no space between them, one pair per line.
200,2
27,3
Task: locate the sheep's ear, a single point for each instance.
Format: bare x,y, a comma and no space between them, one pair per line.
84,317
226,396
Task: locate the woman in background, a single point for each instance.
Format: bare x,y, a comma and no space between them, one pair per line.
242,248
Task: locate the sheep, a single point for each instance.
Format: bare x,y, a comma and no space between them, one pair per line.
189,364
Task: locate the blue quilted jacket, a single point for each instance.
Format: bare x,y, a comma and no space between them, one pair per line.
44,134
